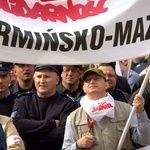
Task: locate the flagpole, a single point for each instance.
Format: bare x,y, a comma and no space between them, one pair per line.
132,112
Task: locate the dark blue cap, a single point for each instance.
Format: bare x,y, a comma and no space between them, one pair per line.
4,71
55,68
6,65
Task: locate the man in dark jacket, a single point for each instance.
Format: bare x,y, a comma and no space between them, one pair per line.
115,83
71,84
6,97
40,117
24,82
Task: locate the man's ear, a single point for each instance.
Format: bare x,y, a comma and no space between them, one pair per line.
58,80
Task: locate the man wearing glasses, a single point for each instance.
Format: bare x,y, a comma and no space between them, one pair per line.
99,122
71,84
115,83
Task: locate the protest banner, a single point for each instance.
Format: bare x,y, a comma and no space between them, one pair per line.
73,31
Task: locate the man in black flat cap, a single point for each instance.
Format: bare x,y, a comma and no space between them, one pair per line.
40,116
6,97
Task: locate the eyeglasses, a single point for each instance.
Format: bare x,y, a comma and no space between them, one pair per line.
110,75
74,70
88,80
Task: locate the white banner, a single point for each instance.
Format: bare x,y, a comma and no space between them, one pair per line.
73,31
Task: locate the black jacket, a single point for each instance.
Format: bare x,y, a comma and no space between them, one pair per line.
74,95
121,96
138,83
6,105
123,85
15,89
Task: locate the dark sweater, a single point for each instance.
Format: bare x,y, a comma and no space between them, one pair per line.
6,105
34,118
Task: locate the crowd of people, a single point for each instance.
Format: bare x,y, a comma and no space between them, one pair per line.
73,107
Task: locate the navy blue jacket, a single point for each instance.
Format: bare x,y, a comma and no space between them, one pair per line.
34,118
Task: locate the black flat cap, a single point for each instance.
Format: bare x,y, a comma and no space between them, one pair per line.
55,68
4,71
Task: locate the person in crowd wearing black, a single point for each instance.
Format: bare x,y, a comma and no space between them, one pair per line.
71,84
10,66
118,86
40,116
24,83
6,97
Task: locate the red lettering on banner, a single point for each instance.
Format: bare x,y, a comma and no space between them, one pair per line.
46,0
48,11
103,106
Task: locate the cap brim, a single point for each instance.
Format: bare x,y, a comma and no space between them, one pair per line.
87,73
4,72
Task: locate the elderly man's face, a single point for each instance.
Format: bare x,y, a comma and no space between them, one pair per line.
94,85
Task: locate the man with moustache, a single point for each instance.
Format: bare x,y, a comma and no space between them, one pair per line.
6,97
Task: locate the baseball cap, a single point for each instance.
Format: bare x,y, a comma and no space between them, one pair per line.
55,68
95,71
4,71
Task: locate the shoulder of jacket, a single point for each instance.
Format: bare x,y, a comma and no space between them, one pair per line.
30,93
66,96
